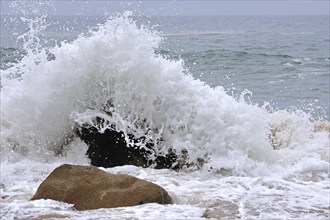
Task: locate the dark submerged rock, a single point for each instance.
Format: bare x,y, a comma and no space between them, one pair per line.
222,209
110,149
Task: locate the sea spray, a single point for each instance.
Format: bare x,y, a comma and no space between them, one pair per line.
115,74
268,164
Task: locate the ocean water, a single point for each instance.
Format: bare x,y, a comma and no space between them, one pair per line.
247,95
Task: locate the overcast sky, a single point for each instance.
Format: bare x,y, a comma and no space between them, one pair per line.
233,7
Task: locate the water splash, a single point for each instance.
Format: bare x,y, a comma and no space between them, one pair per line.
114,73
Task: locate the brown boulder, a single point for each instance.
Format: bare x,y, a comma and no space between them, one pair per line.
91,188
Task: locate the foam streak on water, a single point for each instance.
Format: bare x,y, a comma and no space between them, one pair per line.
115,69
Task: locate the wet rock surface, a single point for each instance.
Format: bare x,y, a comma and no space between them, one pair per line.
89,187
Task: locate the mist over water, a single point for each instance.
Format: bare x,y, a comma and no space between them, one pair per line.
204,88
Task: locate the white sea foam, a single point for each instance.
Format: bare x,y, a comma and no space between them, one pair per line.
42,100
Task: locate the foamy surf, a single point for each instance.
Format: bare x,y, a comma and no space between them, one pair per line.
260,164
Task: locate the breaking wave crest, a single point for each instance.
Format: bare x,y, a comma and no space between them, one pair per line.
114,74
